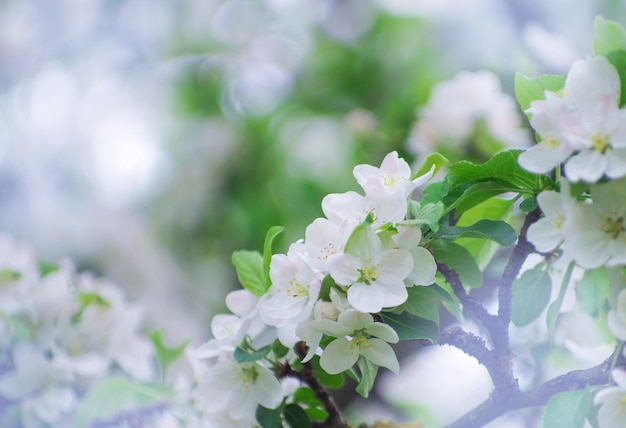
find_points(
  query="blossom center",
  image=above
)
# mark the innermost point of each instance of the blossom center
(358, 343)
(249, 375)
(390, 180)
(600, 142)
(613, 227)
(552, 142)
(296, 289)
(367, 275)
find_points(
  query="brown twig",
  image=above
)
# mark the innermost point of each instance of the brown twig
(307, 375)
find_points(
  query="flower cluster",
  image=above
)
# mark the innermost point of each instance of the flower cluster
(353, 263)
(60, 334)
(582, 125)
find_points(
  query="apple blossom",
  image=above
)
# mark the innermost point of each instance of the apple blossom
(547, 233)
(357, 335)
(295, 288)
(612, 402)
(236, 389)
(595, 232)
(374, 277)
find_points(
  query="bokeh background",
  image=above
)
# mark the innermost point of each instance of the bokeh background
(149, 139)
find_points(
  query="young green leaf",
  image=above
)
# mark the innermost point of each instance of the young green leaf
(250, 272)
(434, 159)
(618, 59)
(608, 36)
(531, 295)
(529, 89)
(502, 168)
(165, 355)
(425, 213)
(555, 307)
(243, 356)
(368, 371)
(272, 233)
(592, 290)
(567, 409)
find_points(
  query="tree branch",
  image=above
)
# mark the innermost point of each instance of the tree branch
(306, 375)
(498, 405)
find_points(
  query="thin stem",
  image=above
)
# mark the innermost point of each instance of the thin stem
(307, 375)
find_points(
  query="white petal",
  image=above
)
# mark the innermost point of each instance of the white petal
(366, 298)
(383, 332)
(381, 354)
(544, 156)
(424, 268)
(616, 167)
(339, 356)
(267, 389)
(588, 165)
(344, 269)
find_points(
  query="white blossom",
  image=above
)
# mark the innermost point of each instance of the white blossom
(612, 402)
(238, 388)
(374, 276)
(595, 232)
(357, 335)
(295, 288)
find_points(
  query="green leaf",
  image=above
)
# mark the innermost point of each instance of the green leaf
(113, 395)
(531, 294)
(492, 209)
(428, 214)
(529, 204)
(368, 371)
(46, 268)
(434, 159)
(311, 404)
(296, 417)
(422, 302)
(567, 409)
(166, 356)
(452, 303)
(555, 307)
(502, 168)
(358, 237)
(9, 275)
(332, 381)
(250, 271)
(89, 298)
(592, 290)
(433, 193)
(618, 59)
(474, 195)
(529, 89)
(497, 231)
(243, 356)
(272, 233)
(608, 36)
(278, 349)
(411, 327)
(269, 418)
(458, 258)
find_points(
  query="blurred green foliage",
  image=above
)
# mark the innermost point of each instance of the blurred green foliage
(385, 74)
